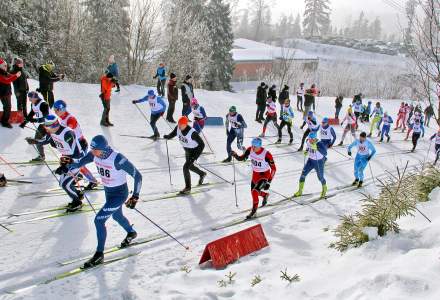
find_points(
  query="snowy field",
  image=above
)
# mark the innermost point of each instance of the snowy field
(404, 266)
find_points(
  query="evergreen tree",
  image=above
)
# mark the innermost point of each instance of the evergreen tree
(258, 20)
(243, 28)
(221, 39)
(296, 28)
(316, 17)
(376, 29)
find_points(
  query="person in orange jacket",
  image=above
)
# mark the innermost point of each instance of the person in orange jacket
(6, 91)
(107, 83)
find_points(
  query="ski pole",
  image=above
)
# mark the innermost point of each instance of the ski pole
(371, 171)
(3, 226)
(209, 146)
(30, 128)
(286, 197)
(339, 152)
(10, 166)
(168, 158)
(235, 183)
(216, 175)
(166, 232)
(142, 113)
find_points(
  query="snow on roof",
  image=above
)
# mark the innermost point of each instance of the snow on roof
(248, 50)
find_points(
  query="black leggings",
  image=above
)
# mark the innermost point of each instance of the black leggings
(415, 138)
(190, 158)
(305, 135)
(289, 129)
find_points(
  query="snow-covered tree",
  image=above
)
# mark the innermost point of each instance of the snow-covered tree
(220, 66)
(316, 17)
(375, 29)
(259, 10)
(295, 29)
(243, 25)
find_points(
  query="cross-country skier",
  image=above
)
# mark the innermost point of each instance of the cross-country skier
(236, 130)
(39, 110)
(401, 117)
(312, 126)
(112, 167)
(378, 114)
(193, 145)
(286, 117)
(67, 144)
(365, 151)
(417, 130)
(199, 115)
(300, 97)
(271, 115)
(417, 116)
(66, 119)
(350, 125)
(328, 134)
(158, 107)
(386, 126)
(358, 109)
(436, 138)
(263, 172)
(317, 152)
(366, 111)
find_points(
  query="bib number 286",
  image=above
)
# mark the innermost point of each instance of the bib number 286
(104, 172)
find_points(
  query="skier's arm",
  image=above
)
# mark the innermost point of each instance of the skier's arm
(201, 144)
(244, 156)
(203, 112)
(72, 123)
(390, 120)
(82, 162)
(291, 114)
(333, 133)
(433, 136)
(354, 144)
(372, 149)
(122, 163)
(271, 162)
(240, 120)
(322, 148)
(141, 100)
(172, 134)
(161, 102)
(8, 79)
(227, 124)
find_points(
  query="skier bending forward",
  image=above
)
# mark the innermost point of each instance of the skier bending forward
(263, 167)
(112, 167)
(365, 152)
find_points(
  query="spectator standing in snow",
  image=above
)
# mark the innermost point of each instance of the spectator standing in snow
(47, 77)
(6, 91)
(300, 97)
(173, 96)
(338, 105)
(309, 100)
(315, 92)
(114, 69)
(429, 112)
(261, 102)
(273, 93)
(187, 94)
(21, 86)
(107, 83)
(284, 95)
(161, 79)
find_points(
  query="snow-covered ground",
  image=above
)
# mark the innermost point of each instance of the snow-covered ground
(403, 266)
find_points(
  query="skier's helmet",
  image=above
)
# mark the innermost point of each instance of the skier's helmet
(60, 105)
(99, 142)
(313, 135)
(51, 121)
(325, 120)
(232, 109)
(257, 142)
(310, 113)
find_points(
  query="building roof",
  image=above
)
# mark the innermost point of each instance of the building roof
(248, 50)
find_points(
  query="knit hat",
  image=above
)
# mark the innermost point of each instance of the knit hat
(151, 93)
(188, 77)
(286, 87)
(262, 84)
(172, 75)
(33, 95)
(183, 120)
(18, 60)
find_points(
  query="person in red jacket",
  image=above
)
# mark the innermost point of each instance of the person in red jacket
(263, 167)
(107, 83)
(6, 91)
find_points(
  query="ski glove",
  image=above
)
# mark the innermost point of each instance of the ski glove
(31, 141)
(134, 101)
(266, 186)
(349, 153)
(131, 202)
(61, 170)
(368, 158)
(22, 125)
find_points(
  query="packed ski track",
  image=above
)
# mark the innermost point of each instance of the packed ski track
(403, 266)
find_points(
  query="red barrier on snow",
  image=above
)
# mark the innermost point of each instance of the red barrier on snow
(333, 121)
(15, 118)
(230, 248)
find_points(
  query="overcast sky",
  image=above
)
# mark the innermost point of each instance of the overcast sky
(343, 10)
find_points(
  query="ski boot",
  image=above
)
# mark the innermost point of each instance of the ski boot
(97, 259)
(91, 186)
(324, 191)
(185, 191)
(300, 149)
(388, 139)
(290, 141)
(341, 143)
(227, 160)
(74, 206)
(381, 140)
(369, 135)
(202, 178)
(300, 190)
(355, 182)
(38, 159)
(264, 200)
(379, 133)
(278, 141)
(262, 135)
(3, 181)
(127, 241)
(360, 184)
(252, 215)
